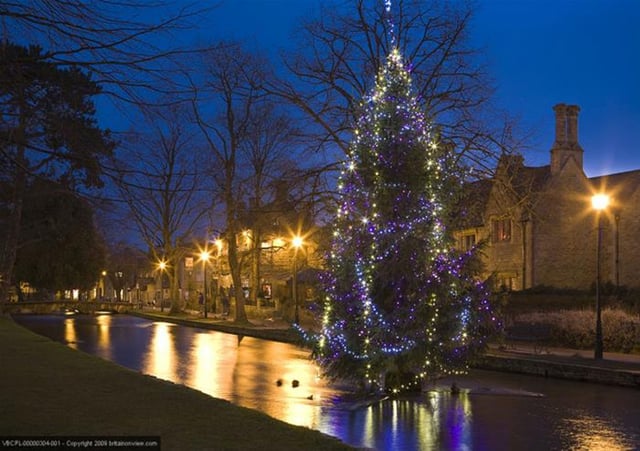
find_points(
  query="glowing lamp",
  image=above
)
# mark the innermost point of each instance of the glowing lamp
(600, 201)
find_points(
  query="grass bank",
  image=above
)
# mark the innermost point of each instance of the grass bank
(47, 389)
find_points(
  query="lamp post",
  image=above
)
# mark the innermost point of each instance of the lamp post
(218, 298)
(204, 258)
(297, 243)
(162, 266)
(599, 202)
(103, 285)
(119, 285)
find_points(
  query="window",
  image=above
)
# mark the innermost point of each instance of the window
(503, 283)
(501, 230)
(467, 242)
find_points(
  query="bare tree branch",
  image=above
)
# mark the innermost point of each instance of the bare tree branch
(341, 52)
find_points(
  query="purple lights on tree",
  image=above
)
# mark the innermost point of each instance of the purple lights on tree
(402, 306)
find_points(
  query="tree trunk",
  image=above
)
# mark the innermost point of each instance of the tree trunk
(174, 292)
(255, 267)
(235, 267)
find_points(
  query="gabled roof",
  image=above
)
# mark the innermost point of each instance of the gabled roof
(620, 186)
(472, 204)
(527, 180)
(519, 180)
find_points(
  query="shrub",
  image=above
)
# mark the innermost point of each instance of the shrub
(576, 328)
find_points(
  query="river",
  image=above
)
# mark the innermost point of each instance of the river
(493, 411)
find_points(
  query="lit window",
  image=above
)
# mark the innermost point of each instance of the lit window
(501, 230)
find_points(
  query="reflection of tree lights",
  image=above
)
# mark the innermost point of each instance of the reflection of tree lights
(437, 431)
(458, 426)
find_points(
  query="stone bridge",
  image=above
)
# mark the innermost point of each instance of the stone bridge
(48, 307)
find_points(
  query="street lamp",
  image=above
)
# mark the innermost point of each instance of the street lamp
(103, 285)
(599, 202)
(296, 242)
(204, 258)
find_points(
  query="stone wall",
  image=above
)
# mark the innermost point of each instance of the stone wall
(564, 241)
(560, 370)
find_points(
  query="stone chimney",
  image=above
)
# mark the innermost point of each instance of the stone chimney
(566, 146)
(572, 125)
(561, 125)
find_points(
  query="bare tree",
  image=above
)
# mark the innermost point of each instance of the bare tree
(278, 183)
(100, 38)
(129, 47)
(250, 142)
(159, 179)
(341, 52)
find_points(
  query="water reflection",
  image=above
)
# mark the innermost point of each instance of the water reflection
(433, 421)
(161, 358)
(587, 433)
(70, 336)
(272, 377)
(206, 355)
(492, 412)
(104, 335)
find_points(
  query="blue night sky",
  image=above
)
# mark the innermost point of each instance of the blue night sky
(583, 52)
(539, 52)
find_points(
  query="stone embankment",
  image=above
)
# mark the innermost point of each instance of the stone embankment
(613, 369)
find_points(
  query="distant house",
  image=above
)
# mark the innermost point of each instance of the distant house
(539, 225)
(271, 255)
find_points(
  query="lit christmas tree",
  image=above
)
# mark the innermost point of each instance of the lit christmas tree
(401, 305)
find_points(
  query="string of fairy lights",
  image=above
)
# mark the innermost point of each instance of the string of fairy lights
(391, 269)
(392, 83)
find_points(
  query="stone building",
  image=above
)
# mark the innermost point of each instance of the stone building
(538, 225)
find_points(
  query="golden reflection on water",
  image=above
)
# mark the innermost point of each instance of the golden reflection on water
(243, 370)
(161, 359)
(70, 335)
(104, 333)
(279, 380)
(299, 409)
(594, 434)
(246, 372)
(209, 357)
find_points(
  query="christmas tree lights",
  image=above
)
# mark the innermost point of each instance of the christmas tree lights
(401, 305)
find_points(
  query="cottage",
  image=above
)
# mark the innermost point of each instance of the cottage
(538, 223)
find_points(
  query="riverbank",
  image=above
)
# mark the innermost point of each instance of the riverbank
(49, 390)
(516, 357)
